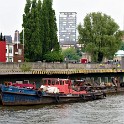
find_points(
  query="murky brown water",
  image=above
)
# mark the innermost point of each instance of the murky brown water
(105, 111)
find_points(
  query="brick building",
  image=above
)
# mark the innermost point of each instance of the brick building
(2, 51)
(18, 53)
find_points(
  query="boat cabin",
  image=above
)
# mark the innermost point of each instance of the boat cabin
(64, 85)
(21, 84)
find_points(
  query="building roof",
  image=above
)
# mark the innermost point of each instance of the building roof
(120, 53)
(8, 38)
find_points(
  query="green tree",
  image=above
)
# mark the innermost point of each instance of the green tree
(46, 28)
(54, 56)
(100, 35)
(40, 30)
(27, 31)
(122, 46)
(54, 44)
(71, 54)
(32, 30)
(36, 46)
(50, 41)
(41, 34)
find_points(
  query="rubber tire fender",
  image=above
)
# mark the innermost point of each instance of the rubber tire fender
(57, 98)
(104, 94)
(82, 96)
(93, 96)
(39, 93)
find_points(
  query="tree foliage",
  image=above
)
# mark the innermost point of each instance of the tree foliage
(54, 56)
(25, 67)
(122, 46)
(100, 35)
(40, 30)
(2, 38)
(71, 54)
(26, 25)
(50, 40)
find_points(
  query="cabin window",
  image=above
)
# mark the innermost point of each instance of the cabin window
(19, 82)
(98, 80)
(88, 80)
(26, 81)
(61, 83)
(53, 82)
(57, 82)
(68, 82)
(49, 82)
(106, 79)
(92, 80)
(44, 82)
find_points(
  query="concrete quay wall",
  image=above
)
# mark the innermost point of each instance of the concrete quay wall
(40, 65)
(57, 68)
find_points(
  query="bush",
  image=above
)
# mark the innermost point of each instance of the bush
(25, 67)
(54, 57)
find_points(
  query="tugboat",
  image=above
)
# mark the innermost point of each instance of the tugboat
(52, 90)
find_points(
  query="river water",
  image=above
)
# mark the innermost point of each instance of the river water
(105, 111)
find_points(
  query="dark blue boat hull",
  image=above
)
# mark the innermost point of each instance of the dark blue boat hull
(21, 99)
(22, 96)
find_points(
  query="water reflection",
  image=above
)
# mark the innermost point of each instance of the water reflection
(109, 111)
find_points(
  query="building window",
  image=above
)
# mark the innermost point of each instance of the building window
(19, 61)
(20, 51)
(10, 59)
(10, 50)
(26, 81)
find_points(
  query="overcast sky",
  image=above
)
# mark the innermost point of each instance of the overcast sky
(11, 11)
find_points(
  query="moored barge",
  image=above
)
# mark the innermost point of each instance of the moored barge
(53, 90)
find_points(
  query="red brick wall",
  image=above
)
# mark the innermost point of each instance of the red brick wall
(2, 51)
(18, 56)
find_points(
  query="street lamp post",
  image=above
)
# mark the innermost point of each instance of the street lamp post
(23, 38)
